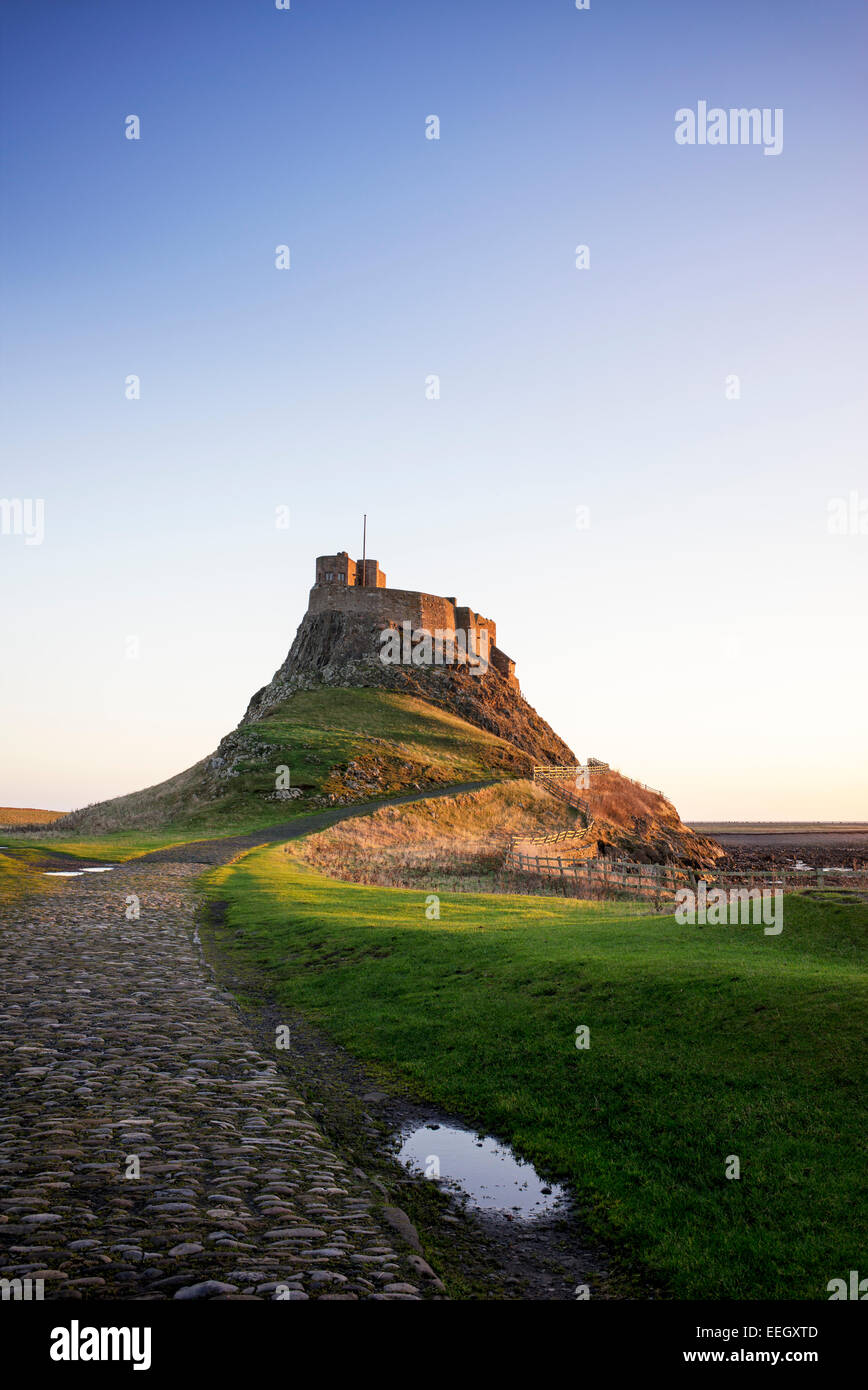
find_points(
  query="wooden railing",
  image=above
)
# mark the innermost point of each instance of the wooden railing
(665, 879)
(624, 874)
(552, 839)
(562, 772)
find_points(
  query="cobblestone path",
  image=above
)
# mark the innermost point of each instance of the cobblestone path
(119, 1055)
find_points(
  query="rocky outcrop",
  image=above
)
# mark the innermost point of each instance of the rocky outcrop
(342, 649)
(627, 820)
(659, 837)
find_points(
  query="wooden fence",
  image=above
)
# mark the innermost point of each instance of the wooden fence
(562, 772)
(790, 880)
(663, 880)
(554, 838)
(621, 875)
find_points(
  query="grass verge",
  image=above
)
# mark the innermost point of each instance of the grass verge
(704, 1043)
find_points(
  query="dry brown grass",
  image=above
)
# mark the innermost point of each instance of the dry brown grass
(622, 801)
(460, 842)
(449, 840)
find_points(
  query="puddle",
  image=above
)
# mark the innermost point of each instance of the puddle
(835, 869)
(75, 873)
(487, 1171)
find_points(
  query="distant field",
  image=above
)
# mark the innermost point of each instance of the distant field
(704, 1043)
(26, 815)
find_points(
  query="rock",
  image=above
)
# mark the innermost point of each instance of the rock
(423, 1268)
(296, 1233)
(208, 1289)
(400, 1222)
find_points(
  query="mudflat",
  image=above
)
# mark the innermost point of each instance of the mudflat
(785, 833)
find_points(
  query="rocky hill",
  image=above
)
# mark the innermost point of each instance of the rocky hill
(338, 725)
(341, 649)
(339, 746)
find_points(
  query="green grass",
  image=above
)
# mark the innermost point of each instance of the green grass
(705, 1042)
(116, 846)
(327, 727)
(315, 733)
(16, 875)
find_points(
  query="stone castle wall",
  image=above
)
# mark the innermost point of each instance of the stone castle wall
(390, 607)
(382, 608)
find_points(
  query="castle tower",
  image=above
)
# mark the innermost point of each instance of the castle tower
(374, 577)
(338, 588)
(335, 569)
(340, 569)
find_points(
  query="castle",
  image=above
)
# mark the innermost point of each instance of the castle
(358, 588)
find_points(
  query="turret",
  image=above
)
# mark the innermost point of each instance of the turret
(340, 569)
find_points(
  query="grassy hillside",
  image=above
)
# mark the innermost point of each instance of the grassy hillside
(339, 745)
(705, 1042)
(463, 834)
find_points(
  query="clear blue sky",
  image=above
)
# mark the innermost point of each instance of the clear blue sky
(706, 633)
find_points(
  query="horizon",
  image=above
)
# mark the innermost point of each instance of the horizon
(677, 570)
(697, 818)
